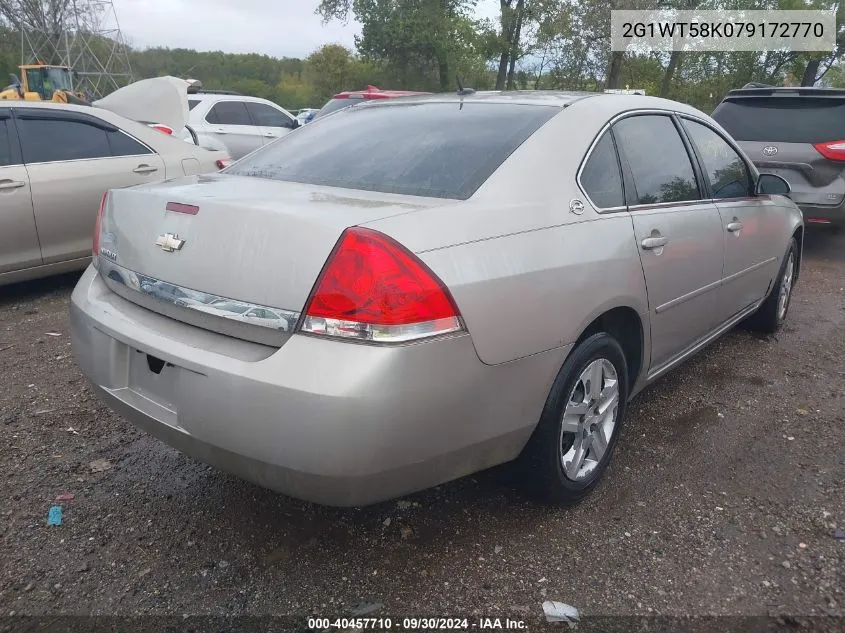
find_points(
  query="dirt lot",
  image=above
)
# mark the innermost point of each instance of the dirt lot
(724, 496)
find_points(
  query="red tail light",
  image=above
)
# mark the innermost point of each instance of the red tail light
(95, 245)
(834, 150)
(223, 163)
(374, 289)
(165, 129)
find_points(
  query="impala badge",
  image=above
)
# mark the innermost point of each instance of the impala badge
(169, 242)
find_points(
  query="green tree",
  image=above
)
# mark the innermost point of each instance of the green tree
(418, 42)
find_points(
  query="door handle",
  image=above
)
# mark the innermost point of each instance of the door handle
(220, 132)
(270, 135)
(145, 169)
(651, 243)
(734, 227)
(11, 184)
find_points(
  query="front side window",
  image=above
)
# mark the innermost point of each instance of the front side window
(601, 178)
(725, 168)
(51, 140)
(268, 116)
(444, 150)
(657, 159)
(229, 113)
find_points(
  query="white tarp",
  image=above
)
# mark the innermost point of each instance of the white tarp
(159, 100)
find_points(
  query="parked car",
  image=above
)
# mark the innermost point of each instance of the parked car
(796, 133)
(56, 161)
(235, 123)
(345, 99)
(457, 291)
(305, 115)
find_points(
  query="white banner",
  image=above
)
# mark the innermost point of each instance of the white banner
(663, 30)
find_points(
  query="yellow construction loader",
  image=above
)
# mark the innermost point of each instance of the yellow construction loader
(42, 82)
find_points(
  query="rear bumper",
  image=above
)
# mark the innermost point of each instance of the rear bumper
(334, 423)
(827, 215)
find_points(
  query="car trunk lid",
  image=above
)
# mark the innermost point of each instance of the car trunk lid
(248, 250)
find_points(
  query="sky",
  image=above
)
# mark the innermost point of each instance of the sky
(279, 28)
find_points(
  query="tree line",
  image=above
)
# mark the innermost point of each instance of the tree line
(429, 44)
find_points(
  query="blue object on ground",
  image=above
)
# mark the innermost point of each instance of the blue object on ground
(54, 517)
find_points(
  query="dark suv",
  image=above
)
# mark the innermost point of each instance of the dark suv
(796, 133)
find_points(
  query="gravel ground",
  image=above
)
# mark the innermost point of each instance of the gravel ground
(724, 496)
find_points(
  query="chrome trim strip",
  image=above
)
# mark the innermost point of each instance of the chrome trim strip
(657, 206)
(204, 303)
(703, 342)
(750, 269)
(690, 295)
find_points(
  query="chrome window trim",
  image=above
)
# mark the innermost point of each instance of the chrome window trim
(616, 118)
(143, 285)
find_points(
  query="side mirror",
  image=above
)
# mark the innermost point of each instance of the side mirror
(771, 184)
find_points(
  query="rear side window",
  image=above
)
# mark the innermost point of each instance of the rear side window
(443, 150)
(229, 113)
(5, 145)
(49, 140)
(267, 116)
(123, 145)
(783, 119)
(725, 168)
(657, 158)
(192, 103)
(601, 178)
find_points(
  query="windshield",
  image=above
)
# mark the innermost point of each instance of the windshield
(783, 120)
(45, 81)
(60, 78)
(419, 148)
(336, 104)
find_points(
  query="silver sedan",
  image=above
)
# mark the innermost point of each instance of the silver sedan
(439, 285)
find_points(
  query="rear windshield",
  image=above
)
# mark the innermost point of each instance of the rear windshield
(441, 150)
(783, 119)
(336, 104)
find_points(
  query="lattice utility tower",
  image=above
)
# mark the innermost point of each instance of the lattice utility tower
(84, 35)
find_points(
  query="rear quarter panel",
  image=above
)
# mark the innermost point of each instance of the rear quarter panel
(527, 274)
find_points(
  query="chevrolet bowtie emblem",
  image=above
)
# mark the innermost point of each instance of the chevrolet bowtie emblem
(169, 242)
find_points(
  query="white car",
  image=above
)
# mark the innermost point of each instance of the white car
(235, 123)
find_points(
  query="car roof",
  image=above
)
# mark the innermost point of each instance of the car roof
(64, 107)
(555, 98)
(372, 92)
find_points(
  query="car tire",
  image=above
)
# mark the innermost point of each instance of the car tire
(551, 458)
(770, 316)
